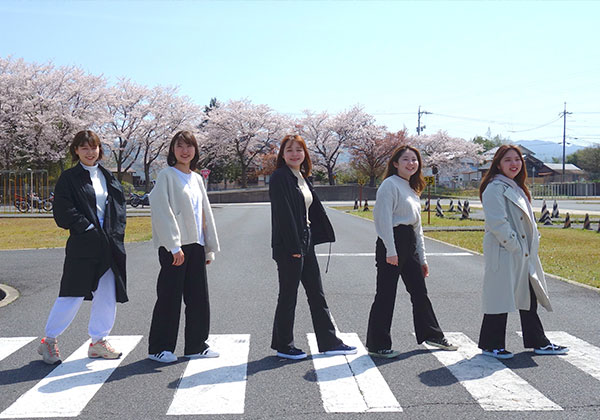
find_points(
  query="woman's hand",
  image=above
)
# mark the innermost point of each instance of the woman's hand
(297, 255)
(178, 258)
(392, 260)
(425, 269)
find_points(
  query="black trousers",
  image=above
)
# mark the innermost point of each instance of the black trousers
(291, 272)
(493, 328)
(174, 282)
(382, 309)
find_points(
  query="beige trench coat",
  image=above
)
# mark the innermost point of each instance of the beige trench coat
(510, 249)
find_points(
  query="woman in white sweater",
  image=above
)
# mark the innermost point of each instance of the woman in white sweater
(400, 251)
(183, 230)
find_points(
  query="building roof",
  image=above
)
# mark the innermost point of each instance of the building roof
(558, 167)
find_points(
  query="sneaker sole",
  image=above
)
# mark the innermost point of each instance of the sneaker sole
(292, 357)
(340, 352)
(384, 356)
(439, 346)
(551, 352)
(99, 356)
(201, 356)
(498, 356)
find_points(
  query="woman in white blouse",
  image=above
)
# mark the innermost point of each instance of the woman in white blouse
(183, 230)
(400, 251)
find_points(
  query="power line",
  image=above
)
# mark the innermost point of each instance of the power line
(535, 128)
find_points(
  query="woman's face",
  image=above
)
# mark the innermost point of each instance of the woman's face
(184, 153)
(293, 154)
(88, 155)
(510, 164)
(407, 164)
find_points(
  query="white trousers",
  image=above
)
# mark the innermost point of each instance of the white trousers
(102, 315)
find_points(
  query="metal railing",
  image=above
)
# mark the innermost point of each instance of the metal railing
(565, 189)
(25, 191)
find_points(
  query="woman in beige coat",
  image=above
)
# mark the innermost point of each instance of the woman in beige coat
(513, 279)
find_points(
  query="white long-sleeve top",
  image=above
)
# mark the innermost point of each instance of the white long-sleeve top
(100, 189)
(398, 204)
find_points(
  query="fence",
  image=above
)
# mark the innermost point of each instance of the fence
(25, 191)
(566, 189)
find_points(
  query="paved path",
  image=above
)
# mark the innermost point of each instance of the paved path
(248, 382)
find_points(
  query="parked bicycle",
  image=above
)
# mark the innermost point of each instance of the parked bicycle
(23, 204)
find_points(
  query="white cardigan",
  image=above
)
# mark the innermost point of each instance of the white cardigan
(173, 219)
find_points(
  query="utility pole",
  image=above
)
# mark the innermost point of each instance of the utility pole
(564, 115)
(419, 128)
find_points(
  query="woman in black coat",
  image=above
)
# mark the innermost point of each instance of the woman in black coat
(299, 222)
(89, 202)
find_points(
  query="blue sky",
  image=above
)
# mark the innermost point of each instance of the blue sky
(508, 66)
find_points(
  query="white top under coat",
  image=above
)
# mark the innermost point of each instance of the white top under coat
(308, 198)
(101, 190)
(190, 184)
(398, 204)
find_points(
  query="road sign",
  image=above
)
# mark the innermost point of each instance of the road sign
(430, 180)
(205, 173)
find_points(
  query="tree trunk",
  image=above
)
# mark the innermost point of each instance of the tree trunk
(244, 176)
(372, 180)
(147, 176)
(330, 176)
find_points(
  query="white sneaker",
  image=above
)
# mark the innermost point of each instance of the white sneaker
(207, 353)
(163, 357)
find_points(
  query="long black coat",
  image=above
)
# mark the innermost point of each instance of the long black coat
(288, 215)
(90, 253)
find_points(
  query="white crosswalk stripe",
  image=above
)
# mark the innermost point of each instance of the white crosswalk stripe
(493, 385)
(351, 384)
(71, 385)
(9, 345)
(582, 354)
(347, 384)
(217, 385)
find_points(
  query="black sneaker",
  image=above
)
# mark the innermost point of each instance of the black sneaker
(441, 343)
(498, 353)
(341, 349)
(551, 349)
(291, 353)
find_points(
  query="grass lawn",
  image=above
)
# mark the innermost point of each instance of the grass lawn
(570, 253)
(452, 219)
(21, 233)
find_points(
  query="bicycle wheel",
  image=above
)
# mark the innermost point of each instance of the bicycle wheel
(22, 206)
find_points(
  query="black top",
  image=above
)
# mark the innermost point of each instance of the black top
(288, 215)
(89, 253)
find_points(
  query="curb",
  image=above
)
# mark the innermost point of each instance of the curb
(9, 295)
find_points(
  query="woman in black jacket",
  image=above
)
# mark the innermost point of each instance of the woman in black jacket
(299, 222)
(89, 202)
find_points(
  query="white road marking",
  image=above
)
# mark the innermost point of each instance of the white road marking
(9, 345)
(372, 254)
(582, 354)
(215, 385)
(493, 385)
(351, 384)
(71, 385)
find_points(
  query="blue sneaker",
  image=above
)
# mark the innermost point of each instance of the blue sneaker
(551, 349)
(341, 349)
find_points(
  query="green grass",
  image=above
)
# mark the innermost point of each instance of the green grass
(452, 219)
(22, 233)
(568, 253)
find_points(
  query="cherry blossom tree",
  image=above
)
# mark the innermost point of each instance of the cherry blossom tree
(371, 154)
(244, 131)
(327, 137)
(447, 153)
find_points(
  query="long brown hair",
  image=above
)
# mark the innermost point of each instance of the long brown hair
(416, 181)
(188, 138)
(520, 178)
(306, 165)
(85, 137)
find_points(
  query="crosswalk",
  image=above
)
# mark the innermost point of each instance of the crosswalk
(347, 384)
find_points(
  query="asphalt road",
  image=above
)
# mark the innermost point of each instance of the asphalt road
(243, 289)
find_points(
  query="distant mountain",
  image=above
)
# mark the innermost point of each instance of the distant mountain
(546, 150)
